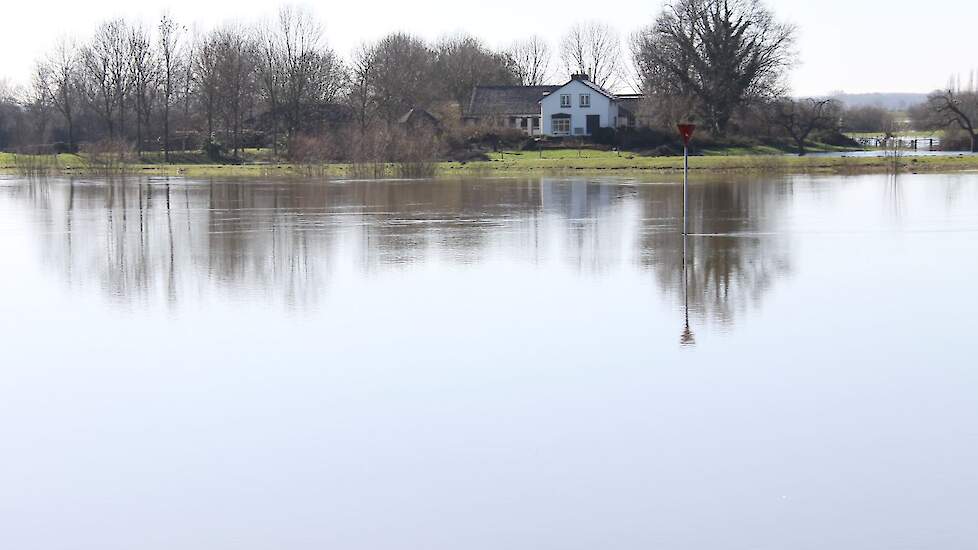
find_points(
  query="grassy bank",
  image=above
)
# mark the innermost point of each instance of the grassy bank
(516, 163)
(523, 162)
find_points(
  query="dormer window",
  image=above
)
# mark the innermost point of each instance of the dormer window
(565, 101)
(585, 100)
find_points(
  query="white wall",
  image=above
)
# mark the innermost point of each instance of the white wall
(600, 105)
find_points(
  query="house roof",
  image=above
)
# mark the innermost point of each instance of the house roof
(630, 104)
(587, 82)
(507, 100)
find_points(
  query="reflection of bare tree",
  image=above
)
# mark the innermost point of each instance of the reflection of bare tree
(140, 239)
(587, 210)
(894, 195)
(177, 241)
(731, 260)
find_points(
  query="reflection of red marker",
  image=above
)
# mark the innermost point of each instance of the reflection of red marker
(686, 131)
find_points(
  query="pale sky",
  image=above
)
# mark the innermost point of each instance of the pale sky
(851, 45)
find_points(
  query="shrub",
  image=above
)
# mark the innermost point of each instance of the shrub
(834, 138)
(109, 156)
(645, 138)
(214, 150)
(605, 136)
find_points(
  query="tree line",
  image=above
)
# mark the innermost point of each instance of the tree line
(165, 88)
(278, 84)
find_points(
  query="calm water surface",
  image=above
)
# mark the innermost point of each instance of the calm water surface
(489, 364)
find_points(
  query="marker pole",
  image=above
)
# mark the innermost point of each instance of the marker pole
(685, 187)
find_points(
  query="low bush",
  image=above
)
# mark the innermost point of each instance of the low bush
(834, 138)
(644, 138)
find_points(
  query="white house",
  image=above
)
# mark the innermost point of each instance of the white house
(576, 108)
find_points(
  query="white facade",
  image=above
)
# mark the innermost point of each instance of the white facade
(568, 110)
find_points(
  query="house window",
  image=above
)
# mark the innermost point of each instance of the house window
(560, 125)
(565, 101)
(585, 100)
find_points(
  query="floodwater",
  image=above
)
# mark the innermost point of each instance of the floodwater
(882, 153)
(489, 364)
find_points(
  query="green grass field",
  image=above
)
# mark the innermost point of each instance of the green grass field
(521, 162)
(598, 161)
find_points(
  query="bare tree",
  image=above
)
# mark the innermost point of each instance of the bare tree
(362, 69)
(720, 52)
(799, 118)
(206, 78)
(296, 68)
(463, 62)
(108, 75)
(402, 75)
(960, 109)
(144, 74)
(531, 60)
(270, 74)
(234, 53)
(168, 53)
(593, 49)
(57, 79)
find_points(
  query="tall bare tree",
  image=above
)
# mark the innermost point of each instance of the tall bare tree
(296, 68)
(168, 53)
(108, 74)
(531, 60)
(403, 66)
(594, 49)
(234, 52)
(362, 67)
(463, 62)
(57, 79)
(206, 78)
(143, 68)
(722, 53)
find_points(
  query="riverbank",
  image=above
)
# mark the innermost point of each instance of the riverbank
(510, 163)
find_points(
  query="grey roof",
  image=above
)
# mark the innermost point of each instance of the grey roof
(507, 100)
(415, 115)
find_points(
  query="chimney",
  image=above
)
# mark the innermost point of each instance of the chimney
(580, 76)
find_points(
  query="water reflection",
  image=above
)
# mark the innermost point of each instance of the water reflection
(172, 240)
(488, 364)
(734, 254)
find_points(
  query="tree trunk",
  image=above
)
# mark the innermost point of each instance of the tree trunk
(139, 129)
(71, 134)
(166, 131)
